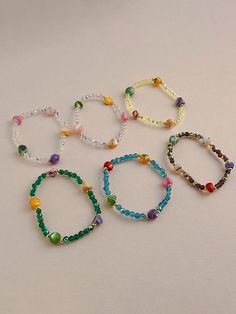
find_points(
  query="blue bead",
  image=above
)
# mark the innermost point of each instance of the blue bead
(126, 212)
(137, 215)
(118, 207)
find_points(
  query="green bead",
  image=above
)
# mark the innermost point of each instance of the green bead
(81, 234)
(43, 175)
(130, 91)
(22, 149)
(61, 172)
(74, 175)
(76, 236)
(34, 186)
(86, 231)
(38, 182)
(98, 210)
(41, 225)
(55, 237)
(71, 239)
(79, 104)
(40, 219)
(32, 193)
(45, 232)
(66, 239)
(173, 139)
(38, 211)
(79, 180)
(111, 199)
(69, 174)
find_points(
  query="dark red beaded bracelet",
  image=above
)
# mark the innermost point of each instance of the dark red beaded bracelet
(208, 187)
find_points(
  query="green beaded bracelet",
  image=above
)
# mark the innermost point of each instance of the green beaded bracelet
(34, 202)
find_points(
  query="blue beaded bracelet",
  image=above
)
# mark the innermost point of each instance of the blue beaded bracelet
(112, 199)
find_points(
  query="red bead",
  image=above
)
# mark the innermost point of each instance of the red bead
(210, 187)
(108, 165)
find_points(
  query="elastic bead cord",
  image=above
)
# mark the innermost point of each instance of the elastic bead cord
(23, 150)
(208, 187)
(158, 82)
(112, 199)
(77, 128)
(34, 202)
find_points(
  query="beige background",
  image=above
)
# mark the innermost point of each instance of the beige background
(53, 52)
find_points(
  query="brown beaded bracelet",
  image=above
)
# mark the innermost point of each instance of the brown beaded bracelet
(208, 187)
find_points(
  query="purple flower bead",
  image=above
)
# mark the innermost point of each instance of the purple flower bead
(54, 159)
(152, 214)
(229, 165)
(97, 220)
(179, 102)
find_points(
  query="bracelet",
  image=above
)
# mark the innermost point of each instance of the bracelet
(34, 202)
(209, 187)
(112, 199)
(78, 129)
(23, 150)
(157, 82)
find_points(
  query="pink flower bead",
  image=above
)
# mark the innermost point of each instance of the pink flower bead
(167, 182)
(52, 173)
(17, 119)
(78, 129)
(124, 117)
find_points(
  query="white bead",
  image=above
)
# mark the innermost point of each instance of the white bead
(205, 141)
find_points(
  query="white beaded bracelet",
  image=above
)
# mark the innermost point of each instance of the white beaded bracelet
(78, 129)
(23, 150)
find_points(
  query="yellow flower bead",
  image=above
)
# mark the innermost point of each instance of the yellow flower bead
(107, 100)
(34, 202)
(112, 143)
(66, 132)
(86, 187)
(144, 159)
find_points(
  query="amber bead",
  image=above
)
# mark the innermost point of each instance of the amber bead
(112, 143)
(169, 123)
(135, 114)
(86, 187)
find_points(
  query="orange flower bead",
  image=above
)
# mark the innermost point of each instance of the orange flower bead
(157, 81)
(107, 100)
(34, 202)
(144, 159)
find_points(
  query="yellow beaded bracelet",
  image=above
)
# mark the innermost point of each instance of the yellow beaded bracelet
(157, 82)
